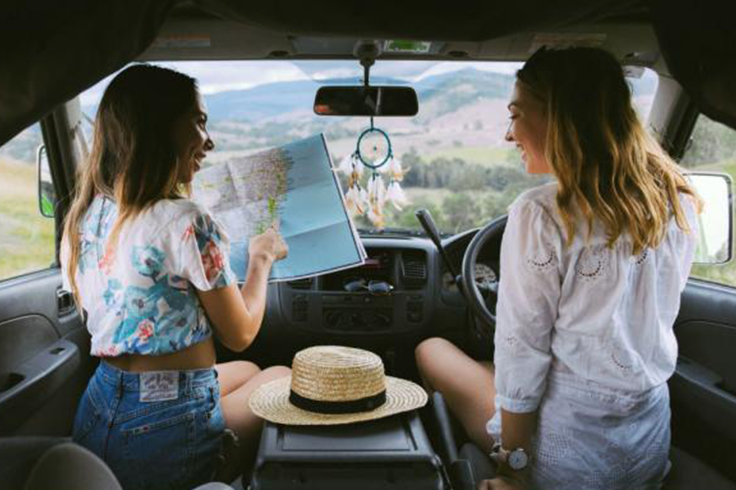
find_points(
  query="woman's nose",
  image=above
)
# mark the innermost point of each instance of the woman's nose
(209, 145)
(509, 136)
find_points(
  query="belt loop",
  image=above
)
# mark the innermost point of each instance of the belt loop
(188, 381)
(120, 383)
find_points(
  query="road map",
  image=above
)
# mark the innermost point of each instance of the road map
(295, 184)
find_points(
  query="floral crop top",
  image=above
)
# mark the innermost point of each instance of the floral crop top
(141, 297)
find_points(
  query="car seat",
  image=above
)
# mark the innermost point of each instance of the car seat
(40, 463)
(470, 465)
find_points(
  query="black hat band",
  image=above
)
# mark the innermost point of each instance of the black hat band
(338, 407)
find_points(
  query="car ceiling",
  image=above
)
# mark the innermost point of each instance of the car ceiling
(52, 51)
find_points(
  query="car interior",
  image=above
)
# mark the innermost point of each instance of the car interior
(442, 273)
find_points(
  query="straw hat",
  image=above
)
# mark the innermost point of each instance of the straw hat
(332, 385)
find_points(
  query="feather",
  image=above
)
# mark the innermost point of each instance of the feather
(355, 200)
(396, 195)
(346, 164)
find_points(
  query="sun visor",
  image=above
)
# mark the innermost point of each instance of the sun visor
(52, 51)
(698, 42)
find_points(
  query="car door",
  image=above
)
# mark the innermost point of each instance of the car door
(703, 389)
(44, 360)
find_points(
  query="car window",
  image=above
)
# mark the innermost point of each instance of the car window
(26, 237)
(456, 160)
(713, 149)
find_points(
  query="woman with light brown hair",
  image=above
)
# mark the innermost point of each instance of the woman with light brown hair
(149, 271)
(592, 270)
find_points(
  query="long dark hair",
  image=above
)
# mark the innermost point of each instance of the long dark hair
(607, 165)
(133, 159)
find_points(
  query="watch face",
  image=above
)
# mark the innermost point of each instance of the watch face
(518, 459)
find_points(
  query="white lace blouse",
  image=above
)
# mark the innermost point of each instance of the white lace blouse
(597, 313)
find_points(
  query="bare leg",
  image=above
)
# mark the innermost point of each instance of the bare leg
(232, 375)
(467, 385)
(237, 381)
(238, 416)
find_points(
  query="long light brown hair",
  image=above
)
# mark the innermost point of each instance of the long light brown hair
(607, 165)
(133, 159)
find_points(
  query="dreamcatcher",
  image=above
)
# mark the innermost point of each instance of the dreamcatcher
(374, 154)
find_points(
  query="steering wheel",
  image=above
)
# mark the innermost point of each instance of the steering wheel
(480, 301)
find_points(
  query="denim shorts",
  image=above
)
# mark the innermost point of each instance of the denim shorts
(595, 437)
(153, 439)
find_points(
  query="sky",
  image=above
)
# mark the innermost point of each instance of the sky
(218, 76)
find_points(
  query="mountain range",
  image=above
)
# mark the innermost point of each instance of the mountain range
(275, 99)
(463, 108)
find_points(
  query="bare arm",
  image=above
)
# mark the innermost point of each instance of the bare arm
(516, 432)
(517, 429)
(237, 314)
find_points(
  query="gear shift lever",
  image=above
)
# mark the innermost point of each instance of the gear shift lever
(425, 218)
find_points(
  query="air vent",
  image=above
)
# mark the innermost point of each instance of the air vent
(301, 283)
(414, 270)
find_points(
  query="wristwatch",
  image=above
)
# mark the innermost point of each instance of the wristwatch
(517, 459)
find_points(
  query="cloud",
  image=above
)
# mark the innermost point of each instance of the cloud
(450, 66)
(219, 76)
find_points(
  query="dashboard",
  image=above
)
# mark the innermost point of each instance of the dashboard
(404, 288)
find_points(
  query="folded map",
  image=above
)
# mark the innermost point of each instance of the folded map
(295, 184)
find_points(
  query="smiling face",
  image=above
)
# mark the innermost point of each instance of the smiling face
(528, 129)
(191, 140)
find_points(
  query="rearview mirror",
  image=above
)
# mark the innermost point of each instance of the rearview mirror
(366, 101)
(715, 240)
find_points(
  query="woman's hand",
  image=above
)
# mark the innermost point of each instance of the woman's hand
(502, 483)
(269, 244)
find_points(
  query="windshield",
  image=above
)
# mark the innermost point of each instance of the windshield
(456, 162)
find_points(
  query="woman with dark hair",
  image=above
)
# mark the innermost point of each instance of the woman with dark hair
(149, 270)
(592, 270)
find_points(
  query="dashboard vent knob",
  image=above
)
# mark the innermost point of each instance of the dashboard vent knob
(414, 272)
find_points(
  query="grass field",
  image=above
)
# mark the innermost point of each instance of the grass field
(433, 196)
(26, 237)
(482, 155)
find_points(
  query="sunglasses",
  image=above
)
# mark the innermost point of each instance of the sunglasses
(373, 287)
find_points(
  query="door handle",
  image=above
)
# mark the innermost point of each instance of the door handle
(64, 302)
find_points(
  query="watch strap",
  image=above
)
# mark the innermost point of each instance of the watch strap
(501, 455)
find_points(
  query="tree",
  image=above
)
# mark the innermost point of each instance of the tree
(461, 212)
(406, 217)
(469, 177)
(711, 142)
(495, 204)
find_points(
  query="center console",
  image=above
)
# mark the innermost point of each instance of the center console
(391, 292)
(388, 453)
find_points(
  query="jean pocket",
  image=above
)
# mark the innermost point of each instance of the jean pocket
(159, 450)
